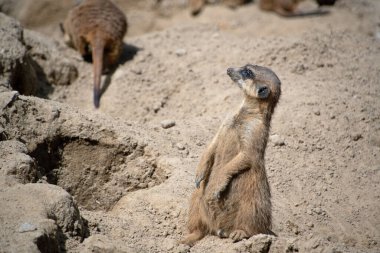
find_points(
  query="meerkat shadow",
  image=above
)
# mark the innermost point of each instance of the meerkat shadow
(301, 14)
(128, 53)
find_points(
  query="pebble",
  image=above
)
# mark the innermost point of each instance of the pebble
(182, 248)
(180, 146)
(199, 143)
(277, 140)
(26, 227)
(318, 210)
(356, 137)
(170, 246)
(317, 112)
(157, 107)
(315, 245)
(165, 124)
(180, 52)
(137, 71)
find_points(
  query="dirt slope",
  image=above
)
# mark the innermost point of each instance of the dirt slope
(323, 159)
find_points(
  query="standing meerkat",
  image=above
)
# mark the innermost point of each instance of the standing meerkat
(96, 28)
(233, 197)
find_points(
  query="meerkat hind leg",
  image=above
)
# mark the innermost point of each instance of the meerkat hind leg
(193, 237)
(196, 6)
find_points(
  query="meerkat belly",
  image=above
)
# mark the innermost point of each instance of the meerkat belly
(238, 205)
(227, 150)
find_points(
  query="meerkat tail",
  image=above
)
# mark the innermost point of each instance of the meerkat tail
(97, 60)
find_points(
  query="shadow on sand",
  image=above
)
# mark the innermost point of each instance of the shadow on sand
(129, 52)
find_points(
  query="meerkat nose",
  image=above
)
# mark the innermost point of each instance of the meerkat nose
(230, 71)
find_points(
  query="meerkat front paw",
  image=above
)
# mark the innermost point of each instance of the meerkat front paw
(199, 179)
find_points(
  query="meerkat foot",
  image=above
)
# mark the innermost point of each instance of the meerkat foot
(192, 238)
(238, 235)
(196, 6)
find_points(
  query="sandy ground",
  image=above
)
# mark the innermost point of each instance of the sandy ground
(323, 158)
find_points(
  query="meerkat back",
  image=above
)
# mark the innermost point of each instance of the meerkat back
(95, 16)
(96, 28)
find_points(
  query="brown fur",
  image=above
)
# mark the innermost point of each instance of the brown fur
(196, 6)
(97, 28)
(281, 7)
(288, 8)
(232, 198)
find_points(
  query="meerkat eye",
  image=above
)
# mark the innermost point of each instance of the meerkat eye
(263, 92)
(107, 50)
(247, 74)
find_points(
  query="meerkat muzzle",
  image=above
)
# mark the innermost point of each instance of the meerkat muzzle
(234, 73)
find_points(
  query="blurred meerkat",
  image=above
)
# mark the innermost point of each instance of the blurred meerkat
(196, 6)
(281, 7)
(233, 197)
(288, 8)
(96, 28)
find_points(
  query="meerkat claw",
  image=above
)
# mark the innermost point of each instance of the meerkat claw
(198, 181)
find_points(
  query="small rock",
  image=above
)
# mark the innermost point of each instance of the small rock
(318, 210)
(26, 227)
(247, 243)
(165, 124)
(142, 185)
(181, 52)
(137, 71)
(260, 243)
(317, 112)
(175, 214)
(199, 143)
(157, 107)
(300, 68)
(315, 245)
(182, 248)
(180, 146)
(277, 140)
(356, 137)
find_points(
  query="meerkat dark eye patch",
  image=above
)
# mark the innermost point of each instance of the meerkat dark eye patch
(247, 74)
(263, 92)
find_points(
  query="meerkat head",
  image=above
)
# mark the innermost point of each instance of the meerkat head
(257, 82)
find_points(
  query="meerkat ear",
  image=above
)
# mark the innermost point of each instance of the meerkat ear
(262, 91)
